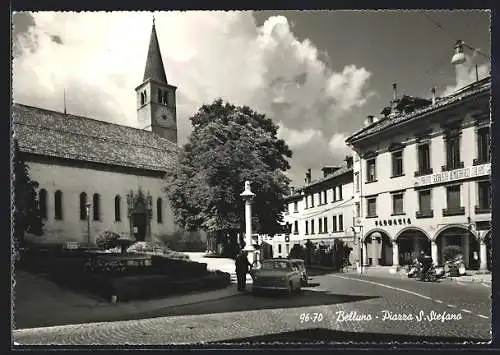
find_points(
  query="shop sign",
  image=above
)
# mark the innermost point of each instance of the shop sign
(454, 175)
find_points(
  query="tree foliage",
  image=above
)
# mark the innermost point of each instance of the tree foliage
(27, 217)
(229, 145)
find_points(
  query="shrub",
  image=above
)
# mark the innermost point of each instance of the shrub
(107, 240)
(297, 252)
(451, 251)
(158, 248)
(105, 265)
(148, 247)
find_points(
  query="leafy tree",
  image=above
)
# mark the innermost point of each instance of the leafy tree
(229, 145)
(27, 217)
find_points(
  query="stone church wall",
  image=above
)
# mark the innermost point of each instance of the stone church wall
(72, 181)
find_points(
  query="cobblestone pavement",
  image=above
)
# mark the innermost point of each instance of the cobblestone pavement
(334, 304)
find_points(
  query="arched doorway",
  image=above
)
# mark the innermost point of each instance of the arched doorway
(458, 239)
(139, 212)
(378, 249)
(411, 242)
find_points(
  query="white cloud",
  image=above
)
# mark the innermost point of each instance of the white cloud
(295, 138)
(207, 55)
(337, 144)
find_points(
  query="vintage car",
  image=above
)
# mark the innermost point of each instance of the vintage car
(299, 263)
(277, 275)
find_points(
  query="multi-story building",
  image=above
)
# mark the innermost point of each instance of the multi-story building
(320, 211)
(422, 178)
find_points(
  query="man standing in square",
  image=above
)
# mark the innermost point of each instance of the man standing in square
(242, 268)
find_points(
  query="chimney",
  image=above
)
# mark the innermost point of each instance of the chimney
(394, 92)
(328, 170)
(386, 111)
(292, 190)
(433, 95)
(308, 176)
(370, 119)
(348, 160)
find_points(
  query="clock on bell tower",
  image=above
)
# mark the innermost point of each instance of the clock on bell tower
(156, 104)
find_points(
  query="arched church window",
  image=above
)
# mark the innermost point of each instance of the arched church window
(160, 96)
(96, 207)
(42, 200)
(58, 213)
(142, 98)
(83, 206)
(117, 208)
(145, 96)
(159, 210)
(171, 99)
(165, 97)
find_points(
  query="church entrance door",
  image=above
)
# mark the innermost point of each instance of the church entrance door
(139, 225)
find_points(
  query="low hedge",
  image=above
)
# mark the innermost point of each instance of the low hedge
(157, 286)
(137, 286)
(77, 270)
(84, 281)
(182, 268)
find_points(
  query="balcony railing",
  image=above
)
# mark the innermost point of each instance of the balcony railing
(423, 172)
(456, 211)
(451, 167)
(425, 214)
(480, 161)
(482, 210)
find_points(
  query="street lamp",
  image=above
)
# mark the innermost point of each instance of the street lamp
(247, 195)
(459, 56)
(87, 207)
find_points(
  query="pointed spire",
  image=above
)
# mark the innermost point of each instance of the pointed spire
(154, 63)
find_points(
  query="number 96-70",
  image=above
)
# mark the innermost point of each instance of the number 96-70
(310, 317)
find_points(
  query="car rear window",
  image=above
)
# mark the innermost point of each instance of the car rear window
(275, 265)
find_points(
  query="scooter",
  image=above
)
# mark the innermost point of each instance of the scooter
(413, 269)
(428, 274)
(455, 267)
(440, 273)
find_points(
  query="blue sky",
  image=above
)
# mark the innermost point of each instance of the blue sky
(317, 74)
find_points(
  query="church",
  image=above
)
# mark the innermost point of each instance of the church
(96, 176)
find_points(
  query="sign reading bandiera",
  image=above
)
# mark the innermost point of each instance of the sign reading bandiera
(454, 175)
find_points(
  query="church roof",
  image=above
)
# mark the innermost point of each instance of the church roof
(55, 134)
(154, 63)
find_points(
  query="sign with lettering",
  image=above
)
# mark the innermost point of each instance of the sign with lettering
(71, 245)
(454, 175)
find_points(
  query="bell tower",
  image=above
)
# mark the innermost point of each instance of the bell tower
(156, 103)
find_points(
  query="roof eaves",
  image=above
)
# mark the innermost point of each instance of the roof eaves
(462, 94)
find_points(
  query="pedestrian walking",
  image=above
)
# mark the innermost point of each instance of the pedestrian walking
(242, 269)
